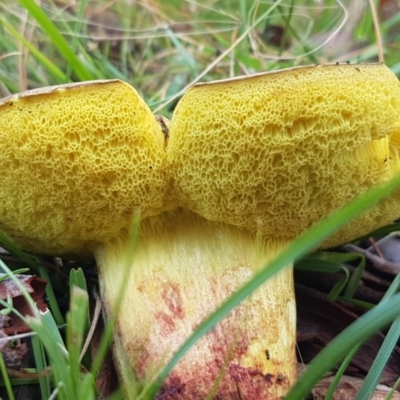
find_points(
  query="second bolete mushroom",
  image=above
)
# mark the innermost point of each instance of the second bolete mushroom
(250, 164)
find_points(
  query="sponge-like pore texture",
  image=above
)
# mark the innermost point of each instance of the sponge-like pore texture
(77, 162)
(276, 152)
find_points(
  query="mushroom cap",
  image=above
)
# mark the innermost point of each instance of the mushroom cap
(77, 162)
(276, 152)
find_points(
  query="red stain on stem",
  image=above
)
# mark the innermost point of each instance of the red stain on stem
(172, 298)
(166, 323)
(238, 383)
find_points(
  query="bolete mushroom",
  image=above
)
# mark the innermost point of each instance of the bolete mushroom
(250, 164)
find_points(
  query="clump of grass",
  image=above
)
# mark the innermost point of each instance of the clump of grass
(161, 48)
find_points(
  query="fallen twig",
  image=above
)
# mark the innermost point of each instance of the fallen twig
(377, 262)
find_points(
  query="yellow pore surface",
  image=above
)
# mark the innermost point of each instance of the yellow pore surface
(276, 152)
(272, 153)
(77, 161)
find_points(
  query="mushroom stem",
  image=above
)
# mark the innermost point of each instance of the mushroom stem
(184, 267)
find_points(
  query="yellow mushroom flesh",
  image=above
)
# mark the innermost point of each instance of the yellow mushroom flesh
(78, 162)
(250, 164)
(274, 153)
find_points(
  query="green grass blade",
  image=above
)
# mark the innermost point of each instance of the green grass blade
(76, 328)
(51, 297)
(77, 278)
(16, 251)
(87, 388)
(393, 288)
(380, 362)
(46, 329)
(58, 40)
(394, 388)
(340, 258)
(131, 387)
(76, 31)
(41, 365)
(355, 278)
(6, 378)
(359, 303)
(117, 395)
(339, 286)
(315, 262)
(384, 352)
(51, 67)
(339, 373)
(15, 272)
(338, 348)
(77, 47)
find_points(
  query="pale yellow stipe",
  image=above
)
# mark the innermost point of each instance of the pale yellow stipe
(184, 267)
